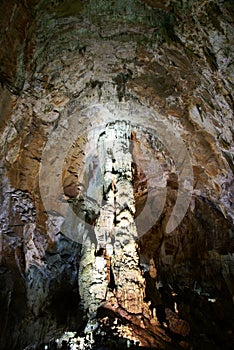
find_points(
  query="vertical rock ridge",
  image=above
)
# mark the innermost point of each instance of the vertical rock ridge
(110, 273)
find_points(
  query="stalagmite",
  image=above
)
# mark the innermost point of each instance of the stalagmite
(115, 253)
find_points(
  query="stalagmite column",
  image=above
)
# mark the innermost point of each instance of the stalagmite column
(116, 252)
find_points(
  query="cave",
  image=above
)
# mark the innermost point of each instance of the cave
(116, 168)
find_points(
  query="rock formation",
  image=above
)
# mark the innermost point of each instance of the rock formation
(116, 134)
(109, 270)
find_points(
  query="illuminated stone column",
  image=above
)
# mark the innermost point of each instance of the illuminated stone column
(112, 267)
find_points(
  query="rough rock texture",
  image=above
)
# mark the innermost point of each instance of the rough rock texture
(69, 69)
(109, 273)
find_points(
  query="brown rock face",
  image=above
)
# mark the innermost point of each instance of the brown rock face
(176, 325)
(116, 168)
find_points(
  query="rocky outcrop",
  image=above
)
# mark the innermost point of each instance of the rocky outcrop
(160, 204)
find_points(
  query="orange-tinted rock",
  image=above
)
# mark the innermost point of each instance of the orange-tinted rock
(176, 325)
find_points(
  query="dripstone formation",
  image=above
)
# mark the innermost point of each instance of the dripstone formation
(116, 174)
(109, 268)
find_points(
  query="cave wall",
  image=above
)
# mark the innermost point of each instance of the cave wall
(67, 65)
